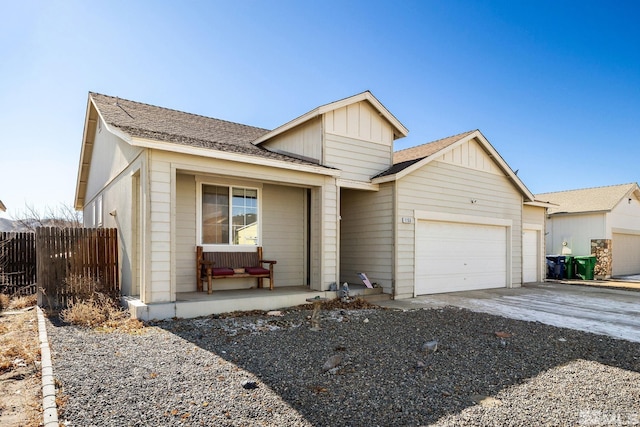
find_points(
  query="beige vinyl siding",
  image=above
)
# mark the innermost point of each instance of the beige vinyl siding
(304, 140)
(329, 231)
(358, 160)
(576, 230)
(366, 236)
(283, 232)
(117, 199)
(160, 229)
(533, 221)
(533, 215)
(316, 244)
(448, 188)
(185, 233)
(111, 155)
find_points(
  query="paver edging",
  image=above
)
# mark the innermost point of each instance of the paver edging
(49, 408)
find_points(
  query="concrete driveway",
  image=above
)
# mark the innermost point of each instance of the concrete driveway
(600, 310)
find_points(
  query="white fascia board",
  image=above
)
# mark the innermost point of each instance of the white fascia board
(234, 157)
(368, 96)
(540, 204)
(606, 211)
(357, 185)
(383, 179)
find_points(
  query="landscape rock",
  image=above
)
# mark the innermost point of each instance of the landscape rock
(430, 346)
(249, 385)
(332, 362)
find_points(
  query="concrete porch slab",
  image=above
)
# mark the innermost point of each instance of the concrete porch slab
(196, 304)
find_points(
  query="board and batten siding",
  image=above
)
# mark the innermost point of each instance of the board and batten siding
(366, 236)
(111, 155)
(357, 141)
(446, 187)
(304, 140)
(283, 233)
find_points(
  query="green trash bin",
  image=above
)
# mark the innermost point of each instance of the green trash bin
(585, 266)
(569, 267)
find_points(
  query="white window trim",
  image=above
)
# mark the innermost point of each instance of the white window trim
(230, 184)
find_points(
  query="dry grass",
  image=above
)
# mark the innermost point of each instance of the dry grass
(4, 302)
(16, 343)
(18, 303)
(94, 309)
(20, 383)
(101, 312)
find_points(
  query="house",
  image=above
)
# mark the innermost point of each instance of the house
(604, 221)
(324, 195)
(3, 208)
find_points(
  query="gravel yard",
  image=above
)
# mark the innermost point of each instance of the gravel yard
(268, 371)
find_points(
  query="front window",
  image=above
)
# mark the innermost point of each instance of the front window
(229, 215)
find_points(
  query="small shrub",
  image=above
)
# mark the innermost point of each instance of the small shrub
(24, 301)
(92, 311)
(100, 311)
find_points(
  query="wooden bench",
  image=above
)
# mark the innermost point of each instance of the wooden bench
(231, 265)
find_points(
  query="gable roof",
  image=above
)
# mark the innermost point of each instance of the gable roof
(149, 126)
(138, 120)
(399, 129)
(596, 199)
(410, 159)
(3, 208)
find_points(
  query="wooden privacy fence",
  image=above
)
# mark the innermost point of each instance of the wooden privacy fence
(17, 263)
(72, 263)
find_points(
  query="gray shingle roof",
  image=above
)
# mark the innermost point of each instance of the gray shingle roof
(597, 199)
(162, 124)
(402, 159)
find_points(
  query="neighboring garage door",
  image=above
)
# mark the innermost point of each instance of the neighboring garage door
(458, 257)
(529, 256)
(626, 254)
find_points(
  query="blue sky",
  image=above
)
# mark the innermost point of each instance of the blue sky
(553, 85)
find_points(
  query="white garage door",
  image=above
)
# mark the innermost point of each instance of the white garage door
(458, 257)
(529, 256)
(626, 254)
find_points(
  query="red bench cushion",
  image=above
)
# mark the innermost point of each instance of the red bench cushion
(256, 270)
(222, 271)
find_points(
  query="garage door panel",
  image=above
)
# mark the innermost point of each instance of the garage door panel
(626, 254)
(456, 256)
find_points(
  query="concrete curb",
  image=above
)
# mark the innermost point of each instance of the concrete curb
(50, 410)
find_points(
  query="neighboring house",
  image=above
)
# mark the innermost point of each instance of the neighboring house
(610, 214)
(324, 195)
(3, 208)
